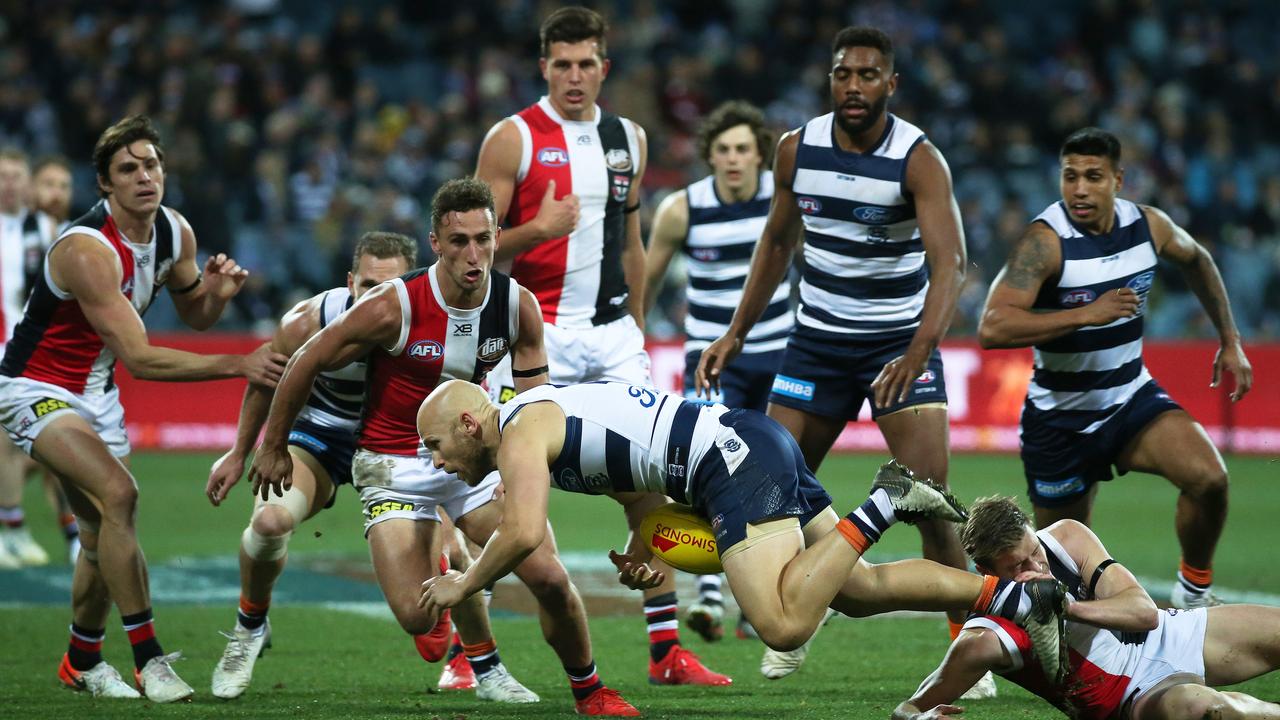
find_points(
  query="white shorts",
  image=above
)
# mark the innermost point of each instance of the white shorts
(1175, 647)
(28, 406)
(613, 351)
(399, 486)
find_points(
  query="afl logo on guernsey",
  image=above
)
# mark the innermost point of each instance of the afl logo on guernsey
(426, 350)
(491, 350)
(926, 377)
(553, 157)
(618, 159)
(1076, 298)
(808, 205)
(1142, 282)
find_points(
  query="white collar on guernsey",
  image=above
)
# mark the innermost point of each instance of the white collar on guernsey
(550, 110)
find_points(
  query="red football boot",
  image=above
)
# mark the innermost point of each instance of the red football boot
(681, 667)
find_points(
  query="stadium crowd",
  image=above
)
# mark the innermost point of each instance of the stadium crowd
(292, 127)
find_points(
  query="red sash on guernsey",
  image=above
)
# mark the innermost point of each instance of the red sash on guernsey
(437, 343)
(577, 278)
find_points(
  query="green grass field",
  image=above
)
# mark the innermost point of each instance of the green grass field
(331, 663)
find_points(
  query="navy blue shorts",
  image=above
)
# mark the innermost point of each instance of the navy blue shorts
(1061, 464)
(744, 384)
(771, 481)
(830, 376)
(331, 447)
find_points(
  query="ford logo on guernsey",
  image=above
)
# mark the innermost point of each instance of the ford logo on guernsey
(553, 157)
(875, 215)
(809, 205)
(1076, 298)
(1142, 282)
(426, 350)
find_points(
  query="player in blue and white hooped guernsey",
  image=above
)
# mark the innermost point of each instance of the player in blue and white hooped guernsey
(786, 553)
(715, 223)
(321, 442)
(884, 264)
(1075, 289)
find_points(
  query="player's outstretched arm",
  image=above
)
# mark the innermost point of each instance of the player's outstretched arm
(633, 260)
(1119, 601)
(670, 226)
(296, 327)
(90, 271)
(770, 262)
(375, 320)
(972, 654)
(1197, 265)
(1008, 320)
(200, 297)
(633, 564)
(499, 166)
(929, 181)
(529, 367)
(530, 442)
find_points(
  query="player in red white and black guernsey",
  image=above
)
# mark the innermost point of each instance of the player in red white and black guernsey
(1126, 658)
(566, 180)
(58, 398)
(455, 319)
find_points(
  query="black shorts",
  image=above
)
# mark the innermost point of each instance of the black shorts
(1061, 464)
(826, 376)
(771, 481)
(331, 447)
(744, 384)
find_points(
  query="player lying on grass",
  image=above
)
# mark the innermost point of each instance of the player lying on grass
(1127, 659)
(737, 468)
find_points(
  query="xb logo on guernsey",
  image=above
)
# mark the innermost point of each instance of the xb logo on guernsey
(809, 205)
(553, 157)
(426, 351)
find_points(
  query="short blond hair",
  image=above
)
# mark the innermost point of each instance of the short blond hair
(996, 524)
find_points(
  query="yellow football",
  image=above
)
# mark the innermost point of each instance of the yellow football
(682, 538)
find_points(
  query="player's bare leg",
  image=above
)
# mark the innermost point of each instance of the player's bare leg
(1190, 700)
(457, 673)
(815, 434)
(17, 547)
(1079, 509)
(1200, 475)
(560, 610)
(65, 515)
(264, 548)
(1241, 642)
(71, 449)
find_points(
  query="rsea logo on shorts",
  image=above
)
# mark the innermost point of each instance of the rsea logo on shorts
(387, 506)
(791, 387)
(48, 405)
(1059, 488)
(426, 350)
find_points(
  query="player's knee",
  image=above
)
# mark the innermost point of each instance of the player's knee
(120, 501)
(781, 635)
(262, 547)
(1208, 482)
(1201, 704)
(549, 583)
(273, 521)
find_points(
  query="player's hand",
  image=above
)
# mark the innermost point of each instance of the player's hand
(557, 218)
(715, 358)
(264, 366)
(1027, 576)
(442, 592)
(635, 574)
(1230, 358)
(223, 276)
(1113, 305)
(272, 471)
(939, 711)
(223, 476)
(893, 384)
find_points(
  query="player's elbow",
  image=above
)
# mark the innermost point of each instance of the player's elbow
(1148, 616)
(990, 333)
(527, 539)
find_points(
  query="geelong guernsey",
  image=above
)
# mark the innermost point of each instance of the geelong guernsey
(24, 239)
(865, 273)
(718, 247)
(337, 396)
(577, 278)
(1083, 377)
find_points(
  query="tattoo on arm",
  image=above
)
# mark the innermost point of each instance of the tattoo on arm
(1029, 265)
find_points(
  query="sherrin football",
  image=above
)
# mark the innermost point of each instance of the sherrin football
(682, 538)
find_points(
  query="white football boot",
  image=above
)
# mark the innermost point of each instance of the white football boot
(984, 689)
(159, 683)
(499, 685)
(234, 671)
(101, 680)
(24, 547)
(1183, 599)
(775, 664)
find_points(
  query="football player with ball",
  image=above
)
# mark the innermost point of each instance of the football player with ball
(786, 553)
